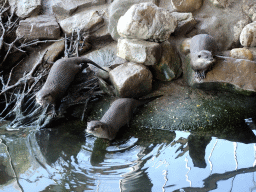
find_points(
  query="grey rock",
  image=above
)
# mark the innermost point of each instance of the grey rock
(139, 51)
(66, 8)
(146, 21)
(25, 8)
(117, 9)
(235, 75)
(84, 21)
(39, 27)
(131, 80)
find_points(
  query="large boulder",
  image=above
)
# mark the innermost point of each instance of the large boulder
(248, 35)
(66, 8)
(25, 8)
(117, 9)
(236, 75)
(139, 51)
(131, 80)
(169, 67)
(84, 21)
(146, 21)
(39, 27)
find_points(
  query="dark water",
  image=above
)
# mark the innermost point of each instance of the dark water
(67, 159)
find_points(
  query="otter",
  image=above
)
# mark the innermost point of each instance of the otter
(202, 50)
(60, 77)
(119, 114)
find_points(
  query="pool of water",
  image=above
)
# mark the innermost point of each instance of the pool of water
(68, 159)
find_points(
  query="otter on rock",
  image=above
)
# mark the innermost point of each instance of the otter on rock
(119, 114)
(202, 50)
(60, 77)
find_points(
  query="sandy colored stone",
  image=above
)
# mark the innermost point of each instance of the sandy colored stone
(248, 35)
(186, 5)
(148, 22)
(185, 46)
(39, 27)
(25, 8)
(139, 51)
(131, 80)
(241, 53)
(83, 21)
(54, 51)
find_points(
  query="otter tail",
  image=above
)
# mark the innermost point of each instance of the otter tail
(147, 100)
(85, 61)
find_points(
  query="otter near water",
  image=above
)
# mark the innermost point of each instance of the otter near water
(118, 115)
(61, 75)
(202, 50)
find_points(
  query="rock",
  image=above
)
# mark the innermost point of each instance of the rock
(235, 75)
(39, 27)
(220, 3)
(25, 8)
(54, 51)
(241, 53)
(237, 29)
(139, 51)
(131, 80)
(185, 21)
(249, 7)
(66, 8)
(248, 35)
(187, 5)
(185, 46)
(169, 67)
(146, 21)
(83, 21)
(117, 9)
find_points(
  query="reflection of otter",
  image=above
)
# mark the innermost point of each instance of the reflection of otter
(202, 49)
(61, 75)
(119, 114)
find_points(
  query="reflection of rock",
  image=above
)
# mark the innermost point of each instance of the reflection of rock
(131, 80)
(83, 21)
(236, 75)
(148, 22)
(169, 66)
(40, 27)
(99, 151)
(139, 51)
(197, 145)
(117, 9)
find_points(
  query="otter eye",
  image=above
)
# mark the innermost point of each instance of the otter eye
(199, 56)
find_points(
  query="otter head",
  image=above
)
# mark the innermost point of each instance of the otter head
(99, 129)
(202, 60)
(44, 99)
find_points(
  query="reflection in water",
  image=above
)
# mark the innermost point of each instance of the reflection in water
(67, 159)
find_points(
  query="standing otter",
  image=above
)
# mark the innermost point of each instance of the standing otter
(61, 75)
(119, 114)
(202, 49)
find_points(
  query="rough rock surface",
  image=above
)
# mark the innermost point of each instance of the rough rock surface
(54, 51)
(117, 9)
(237, 29)
(131, 80)
(236, 75)
(248, 35)
(169, 67)
(39, 27)
(25, 8)
(146, 21)
(83, 21)
(139, 51)
(187, 5)
(220, 3)
(241, 53)
(249, 7)
(66, 8)
(185, 21)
